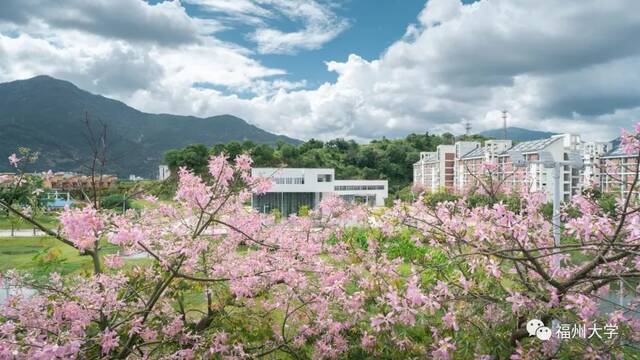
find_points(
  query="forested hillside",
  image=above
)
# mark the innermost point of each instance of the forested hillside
(390, 159)
(48, 115)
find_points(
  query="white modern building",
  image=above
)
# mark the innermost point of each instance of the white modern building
(294, 188)
(163, 172)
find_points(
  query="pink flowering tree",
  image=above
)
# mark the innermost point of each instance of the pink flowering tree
(491, 179)
(222, 280)
(504, 270)
(20, 189)
(414, 281)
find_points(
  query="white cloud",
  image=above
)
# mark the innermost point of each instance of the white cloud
(101, 46)
(317, 21)
(555, 66)
(560, 66)
(130, 20)
(321, 25)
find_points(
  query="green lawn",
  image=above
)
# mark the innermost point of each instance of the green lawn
(43, 255)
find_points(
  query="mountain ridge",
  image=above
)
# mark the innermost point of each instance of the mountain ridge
(517, 134)
(47, 114)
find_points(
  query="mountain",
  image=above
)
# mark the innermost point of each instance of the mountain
(517, 134)
(47, 115)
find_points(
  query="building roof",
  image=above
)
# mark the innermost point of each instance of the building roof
(617, 152)
(429, 157)
(532, 146)
(475, 153)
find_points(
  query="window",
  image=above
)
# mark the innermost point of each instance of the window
(289, 181)
(358, 187)
(324, 177)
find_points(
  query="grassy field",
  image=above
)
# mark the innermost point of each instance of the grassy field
(43, 255)
(48, 220)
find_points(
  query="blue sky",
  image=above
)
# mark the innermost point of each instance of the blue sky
(358, 69)
(371, 30)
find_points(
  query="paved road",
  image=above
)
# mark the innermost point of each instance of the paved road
(21, 233)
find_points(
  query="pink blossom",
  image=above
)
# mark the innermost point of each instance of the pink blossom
(368, 342)
(449, 320)
(192, 190)
(518, 302)
(149, 335)
(586, 307)
(243, 162)
(82, 226)
(493, 269)
(489, 166)
(444, 350)
(113, 261)
(14, 160)
(109, 341)
(262, 185)
(629, 142)
(218, 345)
(221, 170)
(173, 328)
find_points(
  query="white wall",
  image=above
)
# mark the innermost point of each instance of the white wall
(380, 194)
(312, 185)
(163, 172)
(310, 176)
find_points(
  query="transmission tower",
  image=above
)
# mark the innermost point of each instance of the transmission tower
(504, 124)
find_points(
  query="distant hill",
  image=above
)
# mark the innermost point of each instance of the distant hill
(517, 134)
(46, 114)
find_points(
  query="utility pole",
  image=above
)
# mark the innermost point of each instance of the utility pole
(575, 161)
(504, 124)
(557, 167)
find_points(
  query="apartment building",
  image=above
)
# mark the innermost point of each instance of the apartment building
(436, 170)
(534, 176)
(424, 171)
(294, 188)
(469, 164)
(618, 171)
(592, 153)
(67, 181)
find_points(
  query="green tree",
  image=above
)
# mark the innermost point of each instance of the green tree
(194, 157)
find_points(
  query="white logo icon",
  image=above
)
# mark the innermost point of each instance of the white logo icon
(536, 328)
(543, 333)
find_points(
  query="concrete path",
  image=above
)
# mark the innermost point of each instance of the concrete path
(20, 233)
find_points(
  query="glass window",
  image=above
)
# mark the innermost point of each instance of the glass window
(324, 177)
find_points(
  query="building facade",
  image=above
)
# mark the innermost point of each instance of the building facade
(534, 176)
(617, 171)
(469, 165)
(71, 181)
(592, 153)
(436, 170)
(424, 171)
(458, 167)
(163, 172)
(294, 188)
